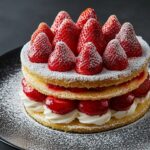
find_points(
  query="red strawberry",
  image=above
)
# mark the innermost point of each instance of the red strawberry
(60, 106)
(111, 28)
(89, 62)
(114, 56)
(40, 49)
(121, 103)
(91, 32)
(58, 20)
(43, 27)
(129, 41)
(56, 88)
(62, 58)
(32, 93)
(93, 107)
(85, 15)
(68, 33)
(143, 88)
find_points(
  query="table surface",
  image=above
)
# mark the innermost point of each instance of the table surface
(18, 19)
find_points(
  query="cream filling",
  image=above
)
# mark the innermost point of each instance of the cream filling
(30, 104)
(121, 114)
(96, 119)
(56, 118)
(82, 117)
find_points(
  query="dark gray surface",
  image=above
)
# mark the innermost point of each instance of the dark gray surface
(19, 18)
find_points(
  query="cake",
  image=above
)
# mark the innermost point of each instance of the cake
(85, 77)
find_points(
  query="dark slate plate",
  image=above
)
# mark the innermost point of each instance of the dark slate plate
(18, 129)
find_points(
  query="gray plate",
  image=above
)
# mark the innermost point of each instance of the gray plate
(20, 130)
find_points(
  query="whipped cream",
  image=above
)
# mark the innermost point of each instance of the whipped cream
(142, 99)
(121, 114)
(96, 119)
(32, 105)
(57, 118)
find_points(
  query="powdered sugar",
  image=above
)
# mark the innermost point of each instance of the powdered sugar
(42, 69)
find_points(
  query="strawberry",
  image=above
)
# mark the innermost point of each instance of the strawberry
(114, 56)
(91, 32)
(40, 49)
(85, 15)
(121, 103)
(68, 33)
(62, 58)
(89, 62)
(60, 106)
(93, 107)
(111, 28)
(43, 27)
(58, 20)
(56, 87)
(143, 88)
(32, 93)
(129, 41)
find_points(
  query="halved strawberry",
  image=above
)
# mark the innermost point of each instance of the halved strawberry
(89, 62)
(68, 33)
(62, 58)
(143, 88)
(60, 106)
(93, 107)
(32, 93)
(129, 41)
(91, 32)
(56, 88)
(121, 103)
(85, 15)
(40, 49)
(43, 27)
(111, 27)
(114, 56)
(58, 20)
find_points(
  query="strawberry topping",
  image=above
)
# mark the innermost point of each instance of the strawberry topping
(62, 58)
(40, 49)
(68, 33)
(32, 93)
(58, 20)
(114, 56)
(91, 32)
(122, 103)
(111, 28)
(85, 15)
(93, 107)
(43, 27)
(89, 62)
(60, 106)
(143, 88)
(129, 41)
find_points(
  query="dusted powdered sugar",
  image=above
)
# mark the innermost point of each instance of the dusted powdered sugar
(42, 69)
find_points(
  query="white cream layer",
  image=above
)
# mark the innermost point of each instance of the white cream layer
(32, 105)
(82, 117)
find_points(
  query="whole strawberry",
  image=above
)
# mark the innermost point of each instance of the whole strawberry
(91, 32)
(58, 20)
(68, 33)
(114, 56)
(40, 49)
(89, 62)
(85, 15)
(62, 58)
(43, 27)
(129, 41)
(111, 28)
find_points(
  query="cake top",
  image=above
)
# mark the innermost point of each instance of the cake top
(85, 47)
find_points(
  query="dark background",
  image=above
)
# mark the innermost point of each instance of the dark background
(19, 18)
